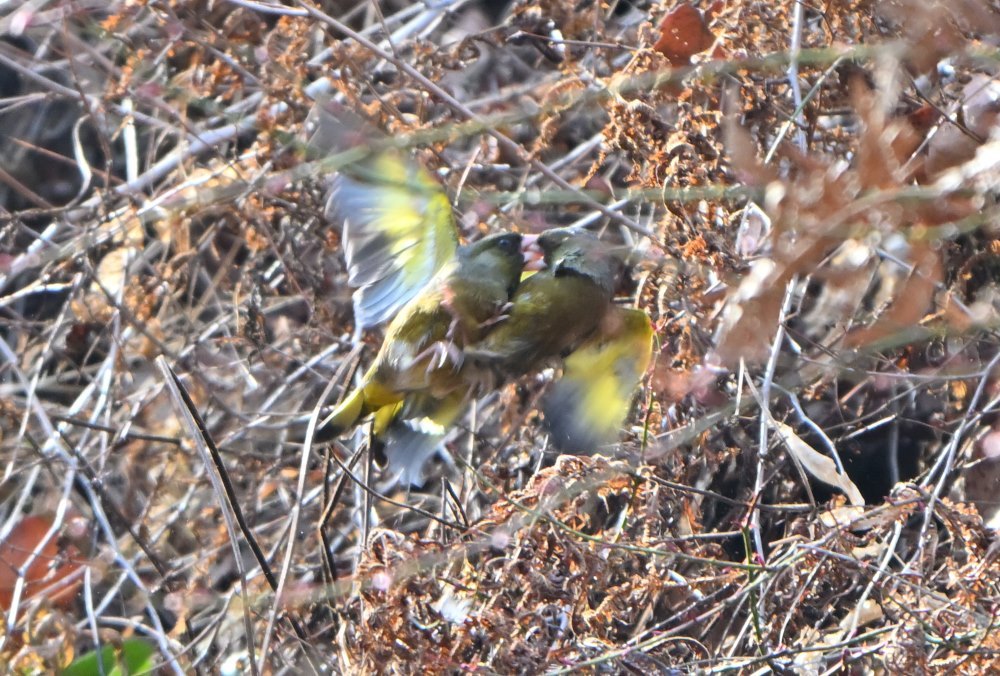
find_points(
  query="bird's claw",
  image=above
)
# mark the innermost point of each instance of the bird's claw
(439, 353)
(452, 330)
(503, 313)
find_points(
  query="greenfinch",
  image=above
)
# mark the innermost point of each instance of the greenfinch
(402, 253)
(587, 406)
(555, 310)
(567, 311)
(422, 349)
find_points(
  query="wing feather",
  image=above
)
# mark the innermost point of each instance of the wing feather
(398, 232)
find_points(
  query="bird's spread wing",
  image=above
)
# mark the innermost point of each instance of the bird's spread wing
(398, 232)
(588, 405)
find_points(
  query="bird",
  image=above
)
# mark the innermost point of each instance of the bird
(422, 348)
(556, 309)
(462, 323)
(403, 256)
(586, 407)
(566, 315)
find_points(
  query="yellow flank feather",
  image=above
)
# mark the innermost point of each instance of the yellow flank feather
(361, 401)
(346, 414)
(384, 417)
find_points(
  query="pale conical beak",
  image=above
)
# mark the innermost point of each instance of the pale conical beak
(534, 257)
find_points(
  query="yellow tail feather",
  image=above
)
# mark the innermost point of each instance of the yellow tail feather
(347, 413)
(370, 398)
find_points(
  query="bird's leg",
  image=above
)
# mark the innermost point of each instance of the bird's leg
(454, 354)
(439, 353)
(480, 380)
(452, 329)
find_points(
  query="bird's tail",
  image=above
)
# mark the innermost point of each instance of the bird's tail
(417, 432)
(347, 413)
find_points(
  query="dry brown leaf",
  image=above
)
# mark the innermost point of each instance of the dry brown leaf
(818, 465)
(841, 517)
(51, 573)
(953, 144)
(911, 304)
(885, 143)
(742, 152)
(982, 480)
(683, 34)
(110, 278)
(750, 317)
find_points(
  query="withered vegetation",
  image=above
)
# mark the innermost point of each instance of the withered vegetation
(808, 479)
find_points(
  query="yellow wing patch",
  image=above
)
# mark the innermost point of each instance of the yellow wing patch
(588, 405)
(398, 232)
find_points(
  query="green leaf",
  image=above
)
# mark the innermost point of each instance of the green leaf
(135, 656)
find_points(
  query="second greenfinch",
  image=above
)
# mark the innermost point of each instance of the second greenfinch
(567, 311)
(554, 310)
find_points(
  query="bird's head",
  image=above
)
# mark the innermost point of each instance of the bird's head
(499, 255)
(574, 251)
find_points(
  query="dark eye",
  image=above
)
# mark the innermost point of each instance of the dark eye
(507, 243)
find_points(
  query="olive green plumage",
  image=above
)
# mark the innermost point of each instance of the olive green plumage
(422, 349)
(558, 308)
(567, 312)
(462, 320)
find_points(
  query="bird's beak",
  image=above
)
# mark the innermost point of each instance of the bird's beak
(534, 257)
